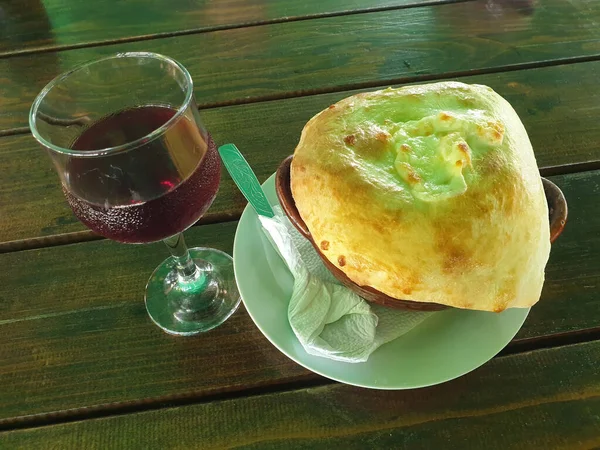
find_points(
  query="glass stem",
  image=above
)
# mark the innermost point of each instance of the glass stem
(197, 289)
(187, 270)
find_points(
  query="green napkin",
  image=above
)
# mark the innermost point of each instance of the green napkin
(329, 319)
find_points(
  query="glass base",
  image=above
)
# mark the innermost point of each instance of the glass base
(185, 307)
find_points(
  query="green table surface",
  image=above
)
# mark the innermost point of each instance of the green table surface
(81, 364)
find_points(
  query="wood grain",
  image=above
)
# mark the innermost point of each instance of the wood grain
(337, 53)
(558, 105)
(573, 262)
(34, 25)
(57, 347)
(515, 402)
(75, 332)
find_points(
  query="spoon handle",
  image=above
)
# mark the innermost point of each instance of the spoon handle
(245, 179)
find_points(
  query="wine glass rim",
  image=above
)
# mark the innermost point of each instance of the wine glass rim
(118, 148)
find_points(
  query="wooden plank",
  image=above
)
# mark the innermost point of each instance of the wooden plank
(573, 261)
(75, 333)
(558, 105)
(336, 53)
(516, 402)
(57, 347)
(33, 25)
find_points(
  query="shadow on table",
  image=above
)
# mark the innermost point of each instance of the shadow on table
(491, 16)
(24, 23)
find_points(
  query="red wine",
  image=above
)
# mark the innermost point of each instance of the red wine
(184, 186)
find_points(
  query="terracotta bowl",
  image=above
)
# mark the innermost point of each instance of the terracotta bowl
(557, 206)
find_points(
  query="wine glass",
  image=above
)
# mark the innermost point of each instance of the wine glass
(137, 165)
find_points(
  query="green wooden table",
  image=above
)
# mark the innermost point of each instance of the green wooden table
(81, 364)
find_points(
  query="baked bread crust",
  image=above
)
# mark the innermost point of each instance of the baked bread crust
(428, 193)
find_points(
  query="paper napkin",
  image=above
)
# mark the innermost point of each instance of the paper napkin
(329, 319)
